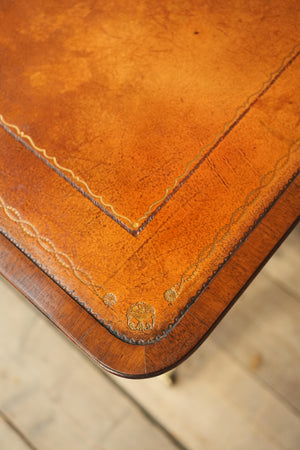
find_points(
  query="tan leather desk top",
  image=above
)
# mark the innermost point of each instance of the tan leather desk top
(141, 142)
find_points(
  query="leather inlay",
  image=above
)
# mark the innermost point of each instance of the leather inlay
(118, 104)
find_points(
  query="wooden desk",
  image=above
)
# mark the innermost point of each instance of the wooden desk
(148, 166)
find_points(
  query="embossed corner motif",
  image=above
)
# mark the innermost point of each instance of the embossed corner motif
(171, 295)
(140, 317)
(109, 299)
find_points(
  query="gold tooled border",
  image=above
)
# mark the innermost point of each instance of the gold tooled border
(191, 272)
(171, 294)
(191, 301)
(135, 224)
(64, 260)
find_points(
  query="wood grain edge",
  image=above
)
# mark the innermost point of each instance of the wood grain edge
(133, 361)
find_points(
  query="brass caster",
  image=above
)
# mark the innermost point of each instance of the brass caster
(169, 378)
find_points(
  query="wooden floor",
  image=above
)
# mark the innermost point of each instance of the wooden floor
(240, 390)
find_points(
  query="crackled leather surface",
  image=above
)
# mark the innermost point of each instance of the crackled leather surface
(140, 143)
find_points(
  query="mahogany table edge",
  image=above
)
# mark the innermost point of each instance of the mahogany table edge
(37, 287)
